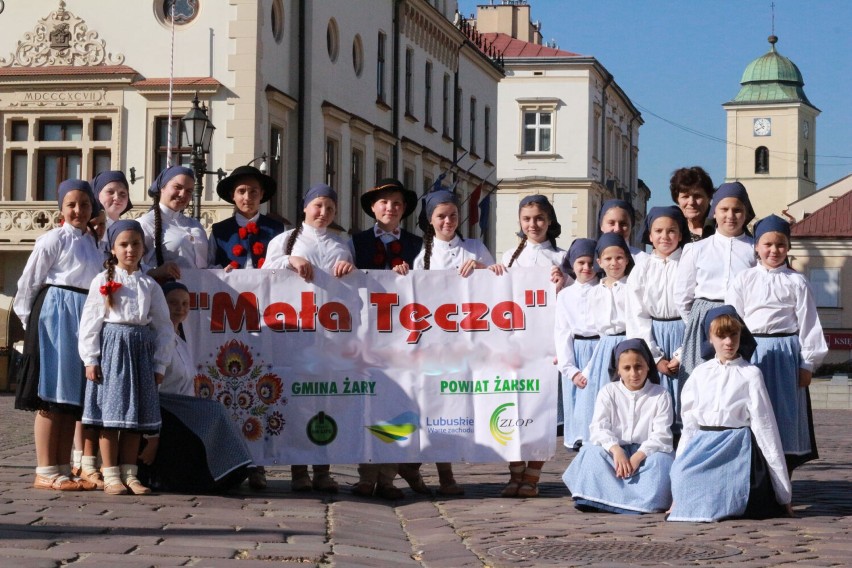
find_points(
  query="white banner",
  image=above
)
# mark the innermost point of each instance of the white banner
(377, 367)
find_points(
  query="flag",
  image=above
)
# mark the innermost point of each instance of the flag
(484, 213)
(473, 206)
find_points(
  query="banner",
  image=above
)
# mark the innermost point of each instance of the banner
(377, 367)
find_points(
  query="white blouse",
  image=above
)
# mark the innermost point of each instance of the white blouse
(454, 253)
(641, 417)
(733, 395)
(321, 247)
(609, 307)
(536, 254)
(707, 268)
(639, 256)
(139, 301)
(184, 239)
(780, 300)
(650, 294)
(64, 256)
(573, 318)
(179, 375)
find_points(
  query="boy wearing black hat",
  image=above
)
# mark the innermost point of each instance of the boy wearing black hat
(384, 246)
(241, 240)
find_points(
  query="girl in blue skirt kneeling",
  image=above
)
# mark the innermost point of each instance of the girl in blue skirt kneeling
(730, 462)
(625, 467)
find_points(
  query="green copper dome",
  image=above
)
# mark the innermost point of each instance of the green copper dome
(772, 78)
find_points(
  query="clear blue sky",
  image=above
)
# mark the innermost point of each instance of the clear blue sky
(682, 60)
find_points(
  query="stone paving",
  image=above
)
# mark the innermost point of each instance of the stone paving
(42, 528)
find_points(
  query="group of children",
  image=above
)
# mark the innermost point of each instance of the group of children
(632, 331)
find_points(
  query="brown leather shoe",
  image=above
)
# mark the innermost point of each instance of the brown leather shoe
(364, 489)
(325, 483)
(93, 476)
(389, 492)
(58, 483)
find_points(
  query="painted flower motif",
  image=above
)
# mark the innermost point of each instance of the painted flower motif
(242, 232)
(110, 287)
(252, 228)
(245, 400)
(252, 429)
(238, 250)
(257, 248)
(275, 423)
(226, 398)
(203, 386)
(269, 388)
(234, 359)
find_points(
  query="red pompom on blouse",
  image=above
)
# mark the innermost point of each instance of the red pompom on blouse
(238, 250)
(252, 228)
(110, 287)
(260, 262)
(257, 249)
(234, 264)
(395, 247)
(242, 232)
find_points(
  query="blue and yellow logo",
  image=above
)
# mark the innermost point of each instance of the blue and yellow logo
(502, 436)
(396, 429)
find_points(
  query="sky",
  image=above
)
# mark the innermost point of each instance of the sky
(681, 60)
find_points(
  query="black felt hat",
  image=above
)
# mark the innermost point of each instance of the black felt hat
(385, 186)
(225, 188)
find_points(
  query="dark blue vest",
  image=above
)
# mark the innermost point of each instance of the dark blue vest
(225, 236)
(367, 249)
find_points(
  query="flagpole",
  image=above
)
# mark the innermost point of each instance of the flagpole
(493, 189)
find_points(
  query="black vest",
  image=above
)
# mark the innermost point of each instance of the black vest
(225, 236)
(369, 249)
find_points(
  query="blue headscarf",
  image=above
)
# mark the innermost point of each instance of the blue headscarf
(69, 185)
(430, 201)
(165, 176)
(319, 190)
(747, 343)
(671, 212)
(621, 204)
(578, 249)
(555, 229)
(105, 178)
(771, 224)
(173, 285)
(123, 225)
(639, 345)
(614, 240)
(733, 189)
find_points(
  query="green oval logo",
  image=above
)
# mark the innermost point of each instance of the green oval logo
(321, 429)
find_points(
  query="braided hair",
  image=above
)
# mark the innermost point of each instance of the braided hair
(158, 231)
(109, 264)
(518, 250)
(294, 236)
(428, 240)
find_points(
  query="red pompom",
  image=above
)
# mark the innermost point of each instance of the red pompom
(379, 259)
(396, 261)
(395, 247)
(110, 287)
(242, 232)
(252, 228)
(238, 250)
(233, 264)
(257, 249)
(260, 262)
(380, 246)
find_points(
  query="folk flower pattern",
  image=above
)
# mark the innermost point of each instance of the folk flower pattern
(246, 386)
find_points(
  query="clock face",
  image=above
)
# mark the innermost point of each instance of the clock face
(806, 129)
(762, 126)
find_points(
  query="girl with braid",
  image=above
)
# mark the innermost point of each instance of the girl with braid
(311, 245)
(173, 241)
(125, 343)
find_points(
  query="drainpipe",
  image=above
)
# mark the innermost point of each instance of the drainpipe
(301, 143)
(397, 5)
(609, 79)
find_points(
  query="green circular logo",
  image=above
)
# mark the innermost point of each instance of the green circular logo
(321, 429)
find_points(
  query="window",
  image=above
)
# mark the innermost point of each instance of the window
(184, 11)
(19, 175)
(60, 130)
(102, 130)
(380, 68)
(487, 141)
(356, 181)
(427, 184)
(331, 162)
(357, 55)
(332, 40)
(825, 283)
(457, 115)
(805, 164)
(381, 169)
(445, 121)
(409, 95)
(20, 131)
(101, 161)
(277, 18)
(180, 154)
(473, 125)
(427, 111)
(54, 166)
(761, 160)
(538, 127)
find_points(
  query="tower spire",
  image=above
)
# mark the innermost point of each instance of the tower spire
(773, 39)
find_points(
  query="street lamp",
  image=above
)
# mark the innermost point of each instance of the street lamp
(197, 134)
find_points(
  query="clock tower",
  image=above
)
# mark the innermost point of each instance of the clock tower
(771, 134)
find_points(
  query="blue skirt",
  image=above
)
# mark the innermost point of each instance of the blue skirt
(669, 337)
(62, 376)
(778, 359)
(583, 350)
(127, 397)
(600, 373)
(593, 484)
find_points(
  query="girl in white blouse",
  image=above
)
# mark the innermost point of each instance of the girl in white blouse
(778, 306)
(574, 331)
(618, 216)
(125, 340)
(625, 467)
(651, 310)
(173, 240)
(49, 301)
(311, 245)
(729, 461)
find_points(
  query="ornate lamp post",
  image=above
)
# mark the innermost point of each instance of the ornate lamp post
(197, 134)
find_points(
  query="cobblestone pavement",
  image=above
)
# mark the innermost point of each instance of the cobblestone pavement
(43, 528)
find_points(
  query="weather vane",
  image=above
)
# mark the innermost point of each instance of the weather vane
(772, 9)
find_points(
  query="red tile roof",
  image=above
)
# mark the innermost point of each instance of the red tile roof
(511, 47)
(178, 82)
(831, 221)
(68, 70)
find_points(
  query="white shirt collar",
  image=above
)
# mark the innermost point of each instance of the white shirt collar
(168, 213)
(243, 221)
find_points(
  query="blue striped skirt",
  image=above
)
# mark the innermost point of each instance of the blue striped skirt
(601, 372)
(127, 397)
(778, 359)
(669, 337)
(583, 350)
(62, 376)
(593, 484)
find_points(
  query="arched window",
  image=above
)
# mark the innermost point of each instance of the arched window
(761, 160)
(806, 165)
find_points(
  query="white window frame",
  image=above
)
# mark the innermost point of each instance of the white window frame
(538, 107)
(825, 283)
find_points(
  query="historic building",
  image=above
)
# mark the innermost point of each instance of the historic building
(565, 129)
